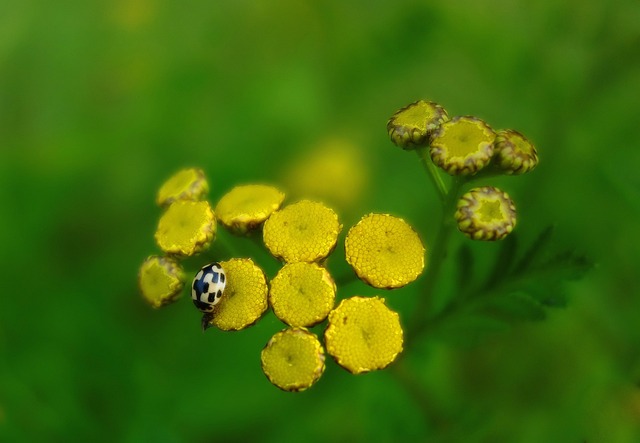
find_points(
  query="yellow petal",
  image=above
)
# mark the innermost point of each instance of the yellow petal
(363, 334)
(486, 213)
(384, 251)
(186, 184)
(245, 295)
(186, 228)
(293, 360)
(304, 231)
(161, 280)
(244, 208)
(462, 146)
(412, 125)
(302, 294)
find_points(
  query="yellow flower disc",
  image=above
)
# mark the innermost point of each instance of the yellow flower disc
(384, 251)
(514, 153)
(486, 213)
(161, 280)
(363, 334)
(412, 125)
(344, 167)
(246, 207)
(245, 295)
(187, 184)
(462, 146)
(302, 294)
(304, 231)
(293, 360)
(186, 228)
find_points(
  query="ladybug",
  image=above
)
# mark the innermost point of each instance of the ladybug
(207, 290)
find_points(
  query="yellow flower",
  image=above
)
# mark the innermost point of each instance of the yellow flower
(514, 153)
(161, 280)
(384, 251)
(246, 207)
(186, 228)
(462, 146)
(293, 360)
(363, 334)
(302, 294)
(412, 125)
(304, 231)
(187, 184)
(486, 213)
(245, 295)
(344, 167)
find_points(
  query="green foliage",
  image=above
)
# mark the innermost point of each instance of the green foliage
(521, 286)
(100, 101)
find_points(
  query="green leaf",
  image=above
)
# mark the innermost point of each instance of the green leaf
(504, 261)
(536, 247)
(513, 307)
(469, 329)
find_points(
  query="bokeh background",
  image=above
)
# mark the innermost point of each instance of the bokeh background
(101, 101)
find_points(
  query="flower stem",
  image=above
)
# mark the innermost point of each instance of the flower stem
(432, 172)
(424, 309)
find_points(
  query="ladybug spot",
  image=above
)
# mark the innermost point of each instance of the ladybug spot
(219, 294)
(205, 288)
(211, 297)
(222, 278)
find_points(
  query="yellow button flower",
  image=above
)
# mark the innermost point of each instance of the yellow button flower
(363, 334)
(246, 207)
(186, 228)
(514, 153)
(412, 125)
(186, 184)
(344, 167)
(462, 146)
(384, 251)
(161, 280)
(293, 360)
(486, 213)
(245, 295)
(302, 294)
(304, 231)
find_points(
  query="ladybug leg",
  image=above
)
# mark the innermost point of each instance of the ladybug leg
(206, 319)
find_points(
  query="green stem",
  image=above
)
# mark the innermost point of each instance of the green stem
(432, 172)
(424, 309)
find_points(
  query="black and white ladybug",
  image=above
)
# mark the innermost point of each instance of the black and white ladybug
(207, 290)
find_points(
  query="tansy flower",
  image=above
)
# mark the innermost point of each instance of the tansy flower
(161, 280)
(344, 168)
(384, 251)
(293, 360)
(304, 231)
(302, 294)
(412, 125)
(245, 295)
(186, 184)
(246, 207)
(514, 153)
(462, 146)
(486, 214)
(186, 228)
(363, 334)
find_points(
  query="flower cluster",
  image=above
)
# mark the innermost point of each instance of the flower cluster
(361, 333)
(466, 147)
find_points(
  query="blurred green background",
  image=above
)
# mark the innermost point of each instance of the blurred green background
(101, 101)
